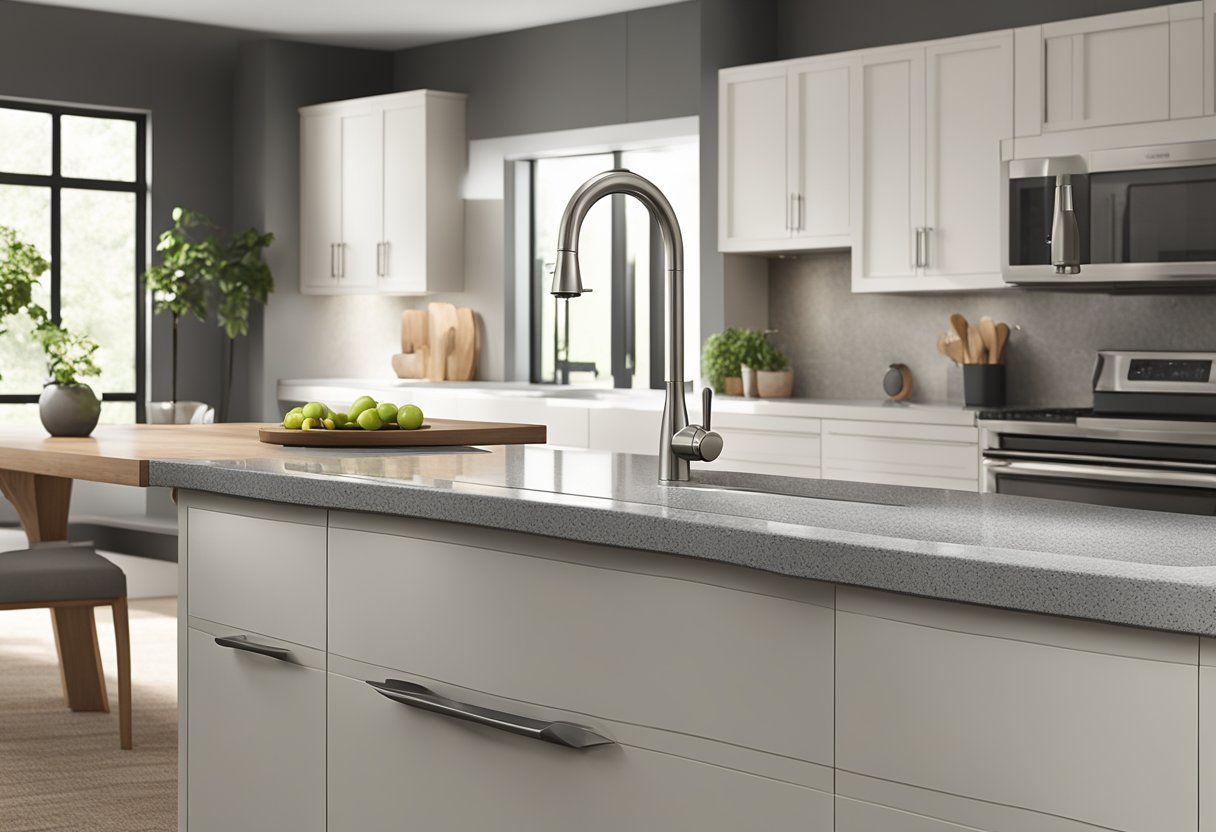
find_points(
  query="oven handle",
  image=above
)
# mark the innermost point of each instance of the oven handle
(1007, 467)
(1088, 459)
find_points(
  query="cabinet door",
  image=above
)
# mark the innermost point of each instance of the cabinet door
(926, 456)
(819, 155)
(255, 729)
(889, 205)
(969, 111)
(362, 199)
(320, 201)
(754, 198)
(1089, 722)
(1113, 69)
(401, 264)
(1207, 735)
(389, 762)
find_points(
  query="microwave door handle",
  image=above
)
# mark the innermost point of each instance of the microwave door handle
(1098, 473)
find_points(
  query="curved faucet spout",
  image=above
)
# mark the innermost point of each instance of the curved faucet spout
(690, 442)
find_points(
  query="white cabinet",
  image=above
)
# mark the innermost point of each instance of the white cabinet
(1207, 735)
(1146, 65)
(255, 730)
(392, 766)
(890, 453)
(785, 143)
(1082, 721)
(926, 182)
(380, 204)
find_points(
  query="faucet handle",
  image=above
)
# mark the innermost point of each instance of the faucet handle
(707, 401)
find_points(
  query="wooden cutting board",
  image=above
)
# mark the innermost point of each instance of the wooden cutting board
(443, 320)
(433, 432)
(462, 363)
(414, 330)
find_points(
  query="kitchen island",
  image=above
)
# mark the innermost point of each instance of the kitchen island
(745, 652)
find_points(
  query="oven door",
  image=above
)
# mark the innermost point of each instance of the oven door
(1183, 488)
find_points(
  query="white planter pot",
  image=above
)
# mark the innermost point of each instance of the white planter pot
(749, 383)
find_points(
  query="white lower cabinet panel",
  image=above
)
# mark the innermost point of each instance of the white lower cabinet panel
(1207, 735)
(392, 766)
(858, 816)
(1054, 725)
(928, 456)
(702, 649)
(256, 738)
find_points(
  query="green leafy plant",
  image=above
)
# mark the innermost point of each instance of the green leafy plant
(727, 352)
(190, 255)
(242, 278)
(69, 357)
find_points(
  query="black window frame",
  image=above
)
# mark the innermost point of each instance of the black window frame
(57, 182)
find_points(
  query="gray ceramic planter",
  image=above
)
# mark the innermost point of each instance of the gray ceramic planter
(69, 409)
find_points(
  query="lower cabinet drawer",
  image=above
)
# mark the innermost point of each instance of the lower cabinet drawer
(702, 649)
(255, 733)
(858, 816)
(392, 766)
(929, 456)
(1088, 722)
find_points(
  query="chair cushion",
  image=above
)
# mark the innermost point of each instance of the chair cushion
(58, 572)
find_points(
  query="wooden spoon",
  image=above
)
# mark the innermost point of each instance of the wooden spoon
(954, 348)
(941, 345)
(958, 324)
(976, 352)
(988, 335)
(1002, 338)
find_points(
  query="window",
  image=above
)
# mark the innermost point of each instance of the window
(73, 183)
(614, 336)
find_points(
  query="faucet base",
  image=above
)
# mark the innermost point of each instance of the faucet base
(673, 468)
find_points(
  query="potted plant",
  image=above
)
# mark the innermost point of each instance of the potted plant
(67, 406)
(190, 254)
(765, 369)
(722, 359)
(241, 279)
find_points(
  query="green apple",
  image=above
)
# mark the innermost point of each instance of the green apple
(329, 424)
(360, 404)
(387, 412)
(293, 420)
(348, 425)
(340, 418)
(370, 420)
(313, 410)
(409, 417)
(298, 410)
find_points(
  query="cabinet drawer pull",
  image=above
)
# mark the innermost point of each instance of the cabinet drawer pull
(243, 643)
(558, 733)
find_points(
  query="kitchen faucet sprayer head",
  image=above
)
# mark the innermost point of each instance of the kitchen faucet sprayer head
(567, 279)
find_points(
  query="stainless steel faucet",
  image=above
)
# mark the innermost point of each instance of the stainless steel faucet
(679, 442)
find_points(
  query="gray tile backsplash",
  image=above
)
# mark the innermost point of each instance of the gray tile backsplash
(841, 343)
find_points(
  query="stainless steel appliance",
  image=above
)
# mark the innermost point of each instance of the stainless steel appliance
(1149, 442)
(1121, 219)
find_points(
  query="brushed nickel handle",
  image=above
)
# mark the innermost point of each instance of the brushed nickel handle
(917, 263)
(333, 260)
(559, 733)
(925, 233)
(801, 213)
(387, 254)
(243, 643)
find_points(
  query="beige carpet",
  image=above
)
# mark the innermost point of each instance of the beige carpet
(64, 771)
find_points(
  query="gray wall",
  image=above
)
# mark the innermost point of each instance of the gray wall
(183, 75)
(814, 27)
(840, 344)
(634, 66)
(297, 335)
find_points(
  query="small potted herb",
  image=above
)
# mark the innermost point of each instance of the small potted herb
(67, 406)
(722, 360)
(766, 370)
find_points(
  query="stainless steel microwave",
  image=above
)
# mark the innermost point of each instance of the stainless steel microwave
(1141, 218)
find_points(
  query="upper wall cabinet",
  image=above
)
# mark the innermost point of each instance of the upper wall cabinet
(1146, 65)
(380, 204)
(926, 179)
(784, 151)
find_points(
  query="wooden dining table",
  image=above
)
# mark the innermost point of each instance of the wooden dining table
(36, 475)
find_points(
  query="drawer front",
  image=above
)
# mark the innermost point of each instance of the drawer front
(932, 456)
(1023, 711)
(262, 575)
(624, 430)
(390, 764)
(858, 816)
(255, 729)
(585, 629)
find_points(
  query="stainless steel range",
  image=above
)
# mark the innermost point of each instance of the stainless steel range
(1149, 442)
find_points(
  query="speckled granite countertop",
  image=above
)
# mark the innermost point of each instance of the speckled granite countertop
(1145, 569)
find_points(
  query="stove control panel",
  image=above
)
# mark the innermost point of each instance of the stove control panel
(1186, 371)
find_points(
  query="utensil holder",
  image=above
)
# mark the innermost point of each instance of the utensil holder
(984, 385)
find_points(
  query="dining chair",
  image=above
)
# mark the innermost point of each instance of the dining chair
(72, 579)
